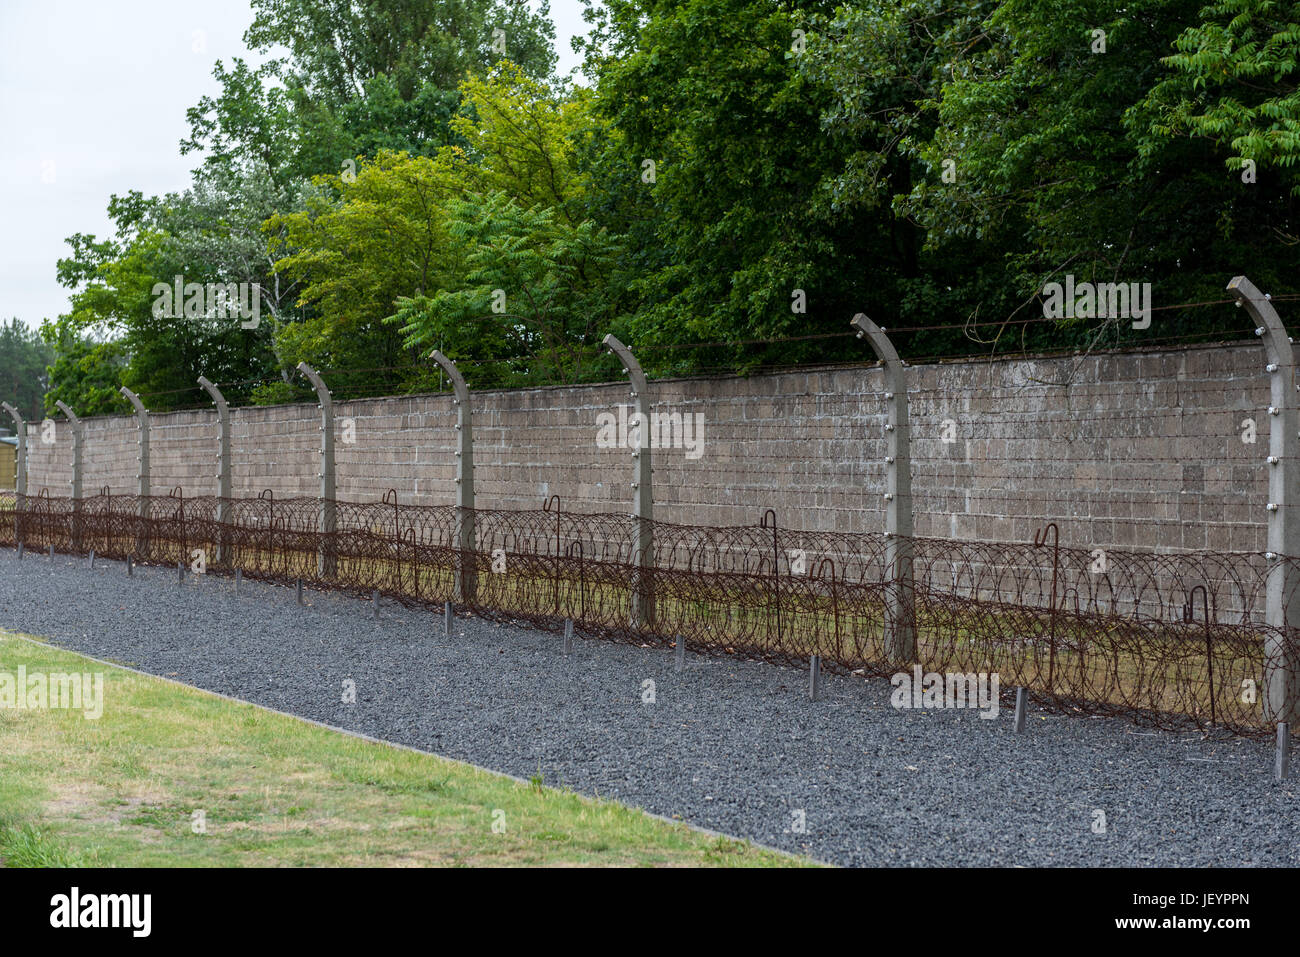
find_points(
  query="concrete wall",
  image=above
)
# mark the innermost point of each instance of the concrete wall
(1141, 449)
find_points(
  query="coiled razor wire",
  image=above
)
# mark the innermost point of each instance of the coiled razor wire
(1175, 641)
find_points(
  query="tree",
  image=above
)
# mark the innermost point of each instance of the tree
(1236, 81)
(337, 46)
(359, 77)
(720, 132)
(211, 234)
(86, 373)
(519, 136)
(1042, 118)
(548, 327)
(406, 256)
(24, 376)
(358, 247)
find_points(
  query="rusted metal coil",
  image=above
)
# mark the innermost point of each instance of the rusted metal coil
(1168, 640)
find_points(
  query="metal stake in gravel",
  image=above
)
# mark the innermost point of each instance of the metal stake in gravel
(679, 654)
(1282, 761)
(90, 562)
(239, 577)
(299, 586)
(447, 616)
(1022, 703)
(568, 636)
(814, 676)
(374, 601)
(20, 551)
(51, 554)
(130, 566)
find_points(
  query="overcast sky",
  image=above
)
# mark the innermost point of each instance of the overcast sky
(93, 97)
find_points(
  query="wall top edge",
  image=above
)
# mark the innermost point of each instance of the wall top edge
(792, 370)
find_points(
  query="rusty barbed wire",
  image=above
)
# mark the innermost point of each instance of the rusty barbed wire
(1176, 641)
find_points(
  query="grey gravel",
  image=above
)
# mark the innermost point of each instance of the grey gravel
(729, 745)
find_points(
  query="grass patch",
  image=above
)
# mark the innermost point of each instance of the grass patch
(129, 790)
(25, 845)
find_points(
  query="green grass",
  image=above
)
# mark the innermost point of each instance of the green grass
(25, 845)
(275, 791)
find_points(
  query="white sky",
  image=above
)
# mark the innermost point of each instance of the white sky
(93, 97)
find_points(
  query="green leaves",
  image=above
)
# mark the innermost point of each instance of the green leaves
(731, 224)
(410, 253)
(359, 245)
(337, 46)
(533, 290)
(210, 233)
(24, 357)
(85, 374)
(407, 175)
(1236, 82)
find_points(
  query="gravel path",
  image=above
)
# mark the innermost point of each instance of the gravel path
(732, 746)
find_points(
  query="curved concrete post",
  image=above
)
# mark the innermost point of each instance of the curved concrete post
(142, 416)
(466, 579)
(223, 463)
(142, 464)
(1282, 589)
(75, 422)
(20, 469)
(75, 482)
(20, 463)
(900, 601)
(643, 597)
(326, 560)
